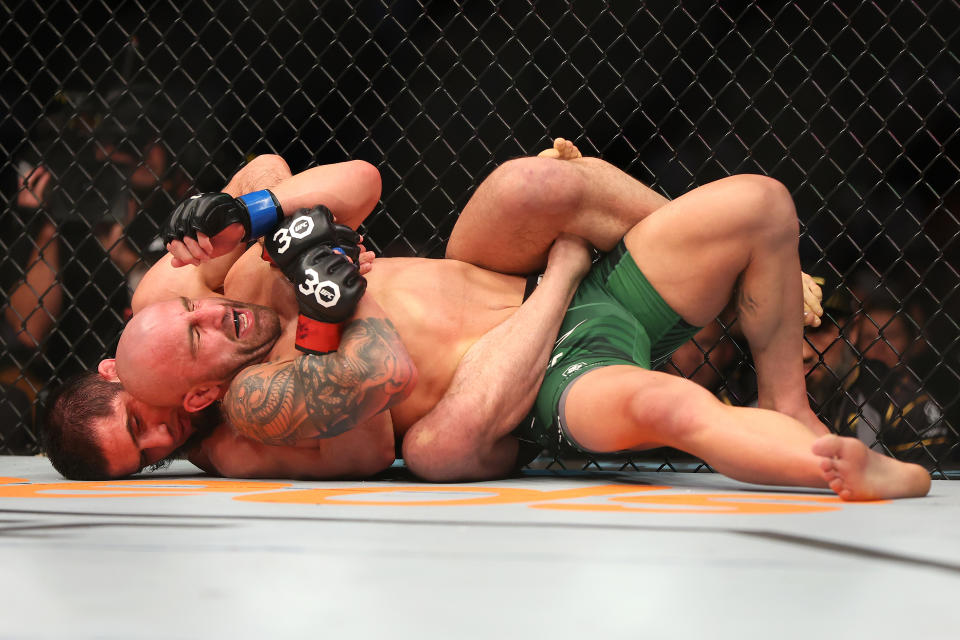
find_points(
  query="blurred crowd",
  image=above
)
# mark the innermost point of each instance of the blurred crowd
(871, 372)
(79, 231)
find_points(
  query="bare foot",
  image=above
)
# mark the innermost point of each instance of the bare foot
(855, 472)
(562, 149)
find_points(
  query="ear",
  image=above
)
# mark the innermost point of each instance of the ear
(200, 397)
(108, 370)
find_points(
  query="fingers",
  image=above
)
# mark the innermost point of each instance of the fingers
(32, 187)
(203, 240)
(38, 180)
(812, 295)
(40, 186)
(195, 250)
(200, 250)
(366, 262)
(811, 319)
(181, 254)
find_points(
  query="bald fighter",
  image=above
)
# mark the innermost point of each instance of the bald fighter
(600, 395)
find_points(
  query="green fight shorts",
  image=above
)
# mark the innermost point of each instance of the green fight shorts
(616, 317)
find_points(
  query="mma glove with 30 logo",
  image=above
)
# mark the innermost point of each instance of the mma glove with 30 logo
(305, 229)
(328, 288)
(210, 213)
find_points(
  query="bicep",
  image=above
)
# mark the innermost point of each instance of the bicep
(264, 404)
(350, 189)
(323, 396)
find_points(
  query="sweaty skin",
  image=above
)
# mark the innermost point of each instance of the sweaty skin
(457, 301)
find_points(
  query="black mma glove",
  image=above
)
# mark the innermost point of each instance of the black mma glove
(305, 229)
(210, 213)
(328, 288)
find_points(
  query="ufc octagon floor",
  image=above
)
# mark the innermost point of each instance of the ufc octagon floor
(600, 555)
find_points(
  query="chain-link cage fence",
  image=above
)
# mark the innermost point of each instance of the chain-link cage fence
(115, 111)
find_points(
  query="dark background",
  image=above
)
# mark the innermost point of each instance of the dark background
(853, 106)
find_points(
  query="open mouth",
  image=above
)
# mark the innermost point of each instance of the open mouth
(241, 323)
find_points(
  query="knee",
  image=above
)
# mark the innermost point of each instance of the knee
(530, 184)
(426, 456)
(769, 206)
(673, 407)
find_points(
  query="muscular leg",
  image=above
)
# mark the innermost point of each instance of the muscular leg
(623, 407)
(467, 435)
(740, 231)
(518, 210)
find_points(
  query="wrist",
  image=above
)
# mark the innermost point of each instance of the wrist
(264, 212)
(316, 337)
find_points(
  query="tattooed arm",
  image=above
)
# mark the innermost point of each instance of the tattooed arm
(310, 397)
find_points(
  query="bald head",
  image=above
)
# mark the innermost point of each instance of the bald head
(173, 349)
(152, 362)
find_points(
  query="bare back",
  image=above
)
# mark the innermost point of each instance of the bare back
(439, 307)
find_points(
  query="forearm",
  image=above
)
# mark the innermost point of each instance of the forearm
(349, 189)
(506, 366)
(163, 281)
(495, 385)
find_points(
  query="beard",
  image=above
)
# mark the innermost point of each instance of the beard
(203, 422)
(255, 348)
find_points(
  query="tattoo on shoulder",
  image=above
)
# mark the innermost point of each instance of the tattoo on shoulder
(322, 396)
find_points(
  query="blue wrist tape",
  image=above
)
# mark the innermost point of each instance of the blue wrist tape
(263, 212)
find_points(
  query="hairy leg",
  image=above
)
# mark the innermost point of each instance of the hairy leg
(518, 210)
(467, 435)
(737, 233)
(622, 407)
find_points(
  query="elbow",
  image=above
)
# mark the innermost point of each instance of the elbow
(368, 183)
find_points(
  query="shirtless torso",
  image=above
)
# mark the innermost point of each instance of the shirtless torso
(439, 307)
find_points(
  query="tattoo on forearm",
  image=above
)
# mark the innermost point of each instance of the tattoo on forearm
(322, 396)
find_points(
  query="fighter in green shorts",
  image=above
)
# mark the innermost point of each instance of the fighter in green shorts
(733, 240)
(616, 317)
